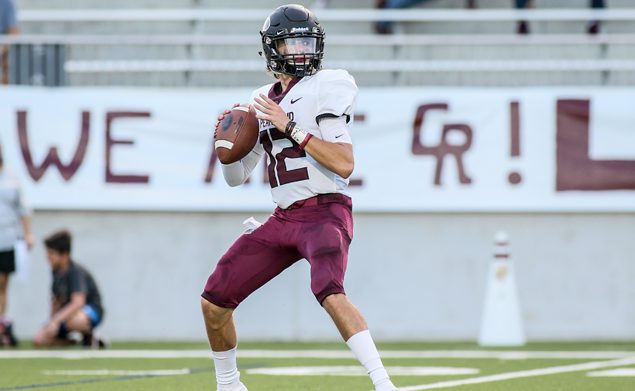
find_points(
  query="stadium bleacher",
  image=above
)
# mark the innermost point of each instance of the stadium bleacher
(204, 43)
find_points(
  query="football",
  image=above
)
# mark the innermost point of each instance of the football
(236, 134)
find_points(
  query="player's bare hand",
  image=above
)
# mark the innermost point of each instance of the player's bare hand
(272, 112)
(224, 113)
(222, 117)
(52, 328)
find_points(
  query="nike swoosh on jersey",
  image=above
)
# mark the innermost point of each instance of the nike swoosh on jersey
(339, 135)
(295, 100)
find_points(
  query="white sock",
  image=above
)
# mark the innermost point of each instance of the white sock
(364, 349)
(226, 369)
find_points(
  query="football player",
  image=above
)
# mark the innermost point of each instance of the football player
(304, 118)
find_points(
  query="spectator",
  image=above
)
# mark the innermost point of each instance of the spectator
(14, 217)
(8, 26)
(592, 28)
(386, 27)
(76, 304)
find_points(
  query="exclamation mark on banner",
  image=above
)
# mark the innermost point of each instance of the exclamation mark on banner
(514, 141)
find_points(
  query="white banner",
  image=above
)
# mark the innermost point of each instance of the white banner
(416, 149)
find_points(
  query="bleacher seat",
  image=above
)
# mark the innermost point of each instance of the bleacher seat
(338, 51)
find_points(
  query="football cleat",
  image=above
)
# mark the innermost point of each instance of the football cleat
(93, 341)
(7, 338)
(239, 387)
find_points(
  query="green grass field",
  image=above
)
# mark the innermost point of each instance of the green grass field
(415, 366)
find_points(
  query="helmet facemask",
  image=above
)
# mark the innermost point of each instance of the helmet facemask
(297, 56)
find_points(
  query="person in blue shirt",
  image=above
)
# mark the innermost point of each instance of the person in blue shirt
(8, 26)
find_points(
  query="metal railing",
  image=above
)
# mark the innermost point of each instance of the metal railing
(145, 65)
(337, 40)
(338, 15)
(394, 43)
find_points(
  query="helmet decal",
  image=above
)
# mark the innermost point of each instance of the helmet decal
(267, 24)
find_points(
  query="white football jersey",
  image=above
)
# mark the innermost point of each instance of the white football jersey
(293, 174)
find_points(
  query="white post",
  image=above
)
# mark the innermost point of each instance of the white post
(502, 321)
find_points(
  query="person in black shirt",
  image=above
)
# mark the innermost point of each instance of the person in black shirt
(76, 304)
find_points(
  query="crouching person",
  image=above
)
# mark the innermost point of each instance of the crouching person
(76, 302)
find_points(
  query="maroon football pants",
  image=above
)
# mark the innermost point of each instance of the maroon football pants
(319, 229)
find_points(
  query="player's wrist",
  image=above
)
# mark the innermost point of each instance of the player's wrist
(298, 134)
(289, 127)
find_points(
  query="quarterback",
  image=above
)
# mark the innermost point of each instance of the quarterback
(304, 119)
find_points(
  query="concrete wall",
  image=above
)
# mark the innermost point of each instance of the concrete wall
(414, 276)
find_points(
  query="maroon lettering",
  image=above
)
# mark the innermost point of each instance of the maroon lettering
(575, 169)
(211, 166)
(359, 118)
(514, 140)
(444, 148)
(280, 166)
(358, 182)
(110, 143)
(268, 147)
(514, 126)
(52, 157)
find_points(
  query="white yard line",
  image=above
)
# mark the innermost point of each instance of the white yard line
(522, 374)
(464, 354)
(116, 372)
(358, 370)
(620, 372)
(277, 371)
